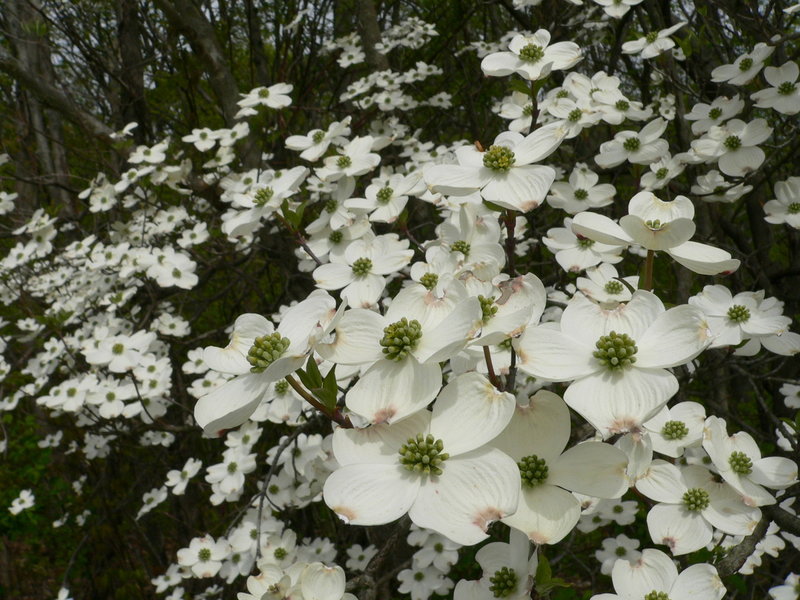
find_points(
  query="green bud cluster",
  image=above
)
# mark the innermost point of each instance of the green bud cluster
(527, 110)
(632, 144)
(499, 158)
(613, 287)
(531, 53)
(263, 196)
(335, 237)
(362, 267)
(384, 195)
(715, 113)
(745, 64)
(263, 93)
(575, 115)
(696, 499)
(794, 208)
(344, 161)
(232, 467)
(662, 172)
(423, 454)
(622, 105)
(674, 430)
(585, 243)
(740, 463)
(318, 137)
(400, 338)
(281, 387)
(787, 88)
(488, 308)
(732, 142)
(654, 595)
(533, 470)
(266, 350)
(581, 194)
(616, 351)
(738, 313)
(503, 582)
(429, 280)
(204, 554)
(651, 37)
(331, 204)
(117, 348)
(655, 225)
(461, 246)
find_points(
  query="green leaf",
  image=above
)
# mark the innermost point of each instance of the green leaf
(517, 85)
(312, 370)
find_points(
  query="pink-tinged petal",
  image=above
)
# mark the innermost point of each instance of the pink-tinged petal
(674, 338)
(377, 443)
(522, 188)
(470, 412)
(473, 490)
(727, 512)
(704, 259)
(546, 514)
(522, 301)
(741, 162)
(231, 404)
(654, 571)
(356, 340)
(499, 64)
(621, 402)
(600, 229)
(371, 494)
(575, 260)
(540, 144)
(587, 321)
(455, 180)
(698, 581)
(391, 390)
(469, 590)
(682, 530)
(593, 469)
(548, 353)
(662, 483)
(670, 235)
(774, 472)
(452, 334)
(541, 428)
(365, 291)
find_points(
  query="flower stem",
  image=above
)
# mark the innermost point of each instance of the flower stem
(487, 355)
(648, 270)
(334, 415)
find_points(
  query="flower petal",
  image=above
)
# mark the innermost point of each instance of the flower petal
(593, 469)
(546, 513)
(231, 404)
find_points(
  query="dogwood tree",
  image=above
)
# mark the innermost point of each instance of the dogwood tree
(325, 300)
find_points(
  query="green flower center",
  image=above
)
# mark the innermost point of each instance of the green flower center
(621, 551)
(745, 63)
(281, 387)
(335, 237)
(616, 351)
(740, 463)
(651, 37)
(527, 110)
(662, 172)
(419, 576)
(715, 113)
(506, 344)
(732, 142)
(264, 93)
(384, 195)
(488, 308)
(499, 158)
(794, 208)
(400, 338)
(331, 205)
(696, 499)
(460, 246)
(533, 470)
(362, 267)
(531, 53)
(204, 554)
(318, 137)
(655, 225)
(117, 348)
(654, 595)
(786, 88)
(738, 313)
(622, 105)
(581, 194)
(503, 582)
(575, 115)
(263, 196)
(423, 454)
(232, 467)
(273, 489)
(266, 350)
(613, 287)
(429, 280)
(343, 162)
(674, 430)
(585, 243)
(280, 553)
(559, 94)
(632, 144)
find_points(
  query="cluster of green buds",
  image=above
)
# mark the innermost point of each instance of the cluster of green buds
(533, 470)
(423, 454)
(499, 158)
(616, 351)
(266, 350)
(400, 338)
